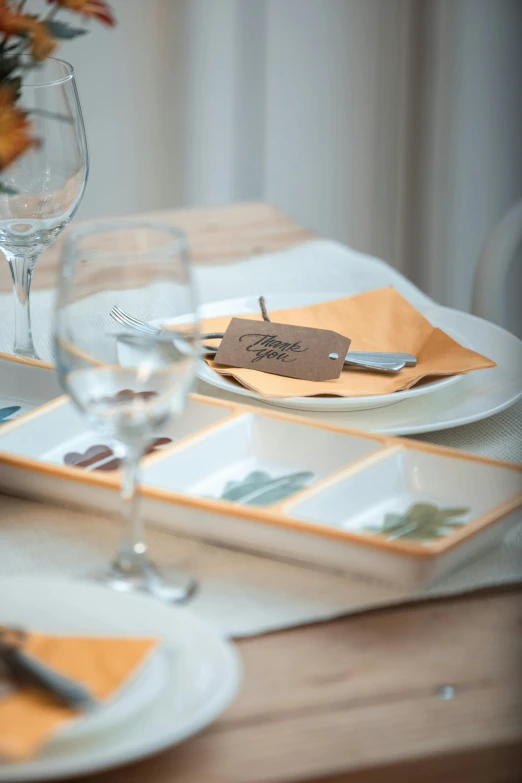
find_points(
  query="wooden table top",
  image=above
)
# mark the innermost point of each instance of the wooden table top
(215, 235)
(365, 698)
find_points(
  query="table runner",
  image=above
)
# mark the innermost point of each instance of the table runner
(242, 594)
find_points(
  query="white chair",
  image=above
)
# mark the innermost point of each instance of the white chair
(495, 294)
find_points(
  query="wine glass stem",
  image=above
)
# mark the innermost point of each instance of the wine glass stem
(132, 555)
(22, 272)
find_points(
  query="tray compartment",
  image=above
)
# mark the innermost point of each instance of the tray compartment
(375, 499)
(256, 460)
(24, 387)
(58, 435)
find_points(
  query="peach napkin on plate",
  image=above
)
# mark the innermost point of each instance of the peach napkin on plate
(378, 320)
(29, 718)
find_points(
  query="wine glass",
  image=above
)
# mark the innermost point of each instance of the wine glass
(43, 187)
(143, 268)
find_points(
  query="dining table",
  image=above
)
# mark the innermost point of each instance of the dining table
(425, 691)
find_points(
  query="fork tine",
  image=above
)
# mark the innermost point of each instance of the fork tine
(120, 314)
(121, 317)
(124, 318)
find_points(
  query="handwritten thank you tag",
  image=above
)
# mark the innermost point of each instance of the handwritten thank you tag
(283, 349)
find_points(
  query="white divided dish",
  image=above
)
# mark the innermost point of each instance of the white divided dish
(200, 674)
(272, 483)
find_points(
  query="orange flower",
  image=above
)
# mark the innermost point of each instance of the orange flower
(42, 42)
(96, 8)
(13, 23)
(14, 129)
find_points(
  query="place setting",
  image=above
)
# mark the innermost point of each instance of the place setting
(391, 315)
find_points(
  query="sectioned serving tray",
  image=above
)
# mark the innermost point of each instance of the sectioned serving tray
(270, 482)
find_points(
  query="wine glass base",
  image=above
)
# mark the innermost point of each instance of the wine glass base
(31, 354)
(168, 584)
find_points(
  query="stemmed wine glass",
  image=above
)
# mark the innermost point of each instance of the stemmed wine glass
(129, 386)
(42, 188)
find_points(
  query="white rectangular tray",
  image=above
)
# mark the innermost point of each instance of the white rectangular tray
(265, 481)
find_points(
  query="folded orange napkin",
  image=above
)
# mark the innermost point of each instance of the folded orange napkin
(28, 718)
(378, 320)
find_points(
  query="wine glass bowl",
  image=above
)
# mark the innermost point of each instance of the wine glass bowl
(42, 189)
(144, 268)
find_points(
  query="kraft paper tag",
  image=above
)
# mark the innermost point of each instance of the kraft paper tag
(283, 349)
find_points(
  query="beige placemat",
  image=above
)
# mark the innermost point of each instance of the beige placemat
(242, 594)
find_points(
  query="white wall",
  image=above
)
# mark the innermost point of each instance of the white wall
(336, 99)
(302, 103)
(130, 82)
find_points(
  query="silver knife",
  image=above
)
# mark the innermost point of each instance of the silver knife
(26, 669)
(370, 360)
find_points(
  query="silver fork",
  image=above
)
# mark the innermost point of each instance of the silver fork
(381, 361)
(124, 319)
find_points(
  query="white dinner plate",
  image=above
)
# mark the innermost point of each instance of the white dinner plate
(249, 304)
(479, 394)
(202, 676)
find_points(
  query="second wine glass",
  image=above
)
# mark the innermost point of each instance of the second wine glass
(143, 268)
(42, 189)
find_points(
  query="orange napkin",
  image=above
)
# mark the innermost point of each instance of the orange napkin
(379, 320)
(29, 718)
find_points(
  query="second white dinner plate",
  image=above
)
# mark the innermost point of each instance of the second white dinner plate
(201, 677)
(477, 396)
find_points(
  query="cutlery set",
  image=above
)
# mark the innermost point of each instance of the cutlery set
(380, 361)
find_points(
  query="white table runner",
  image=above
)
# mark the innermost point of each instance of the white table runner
(243, 594)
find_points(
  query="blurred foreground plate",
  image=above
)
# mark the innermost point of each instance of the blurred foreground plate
(179, 691)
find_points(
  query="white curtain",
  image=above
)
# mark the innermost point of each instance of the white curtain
(392, 125)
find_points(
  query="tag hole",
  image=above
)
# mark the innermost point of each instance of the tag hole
(333, 356)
